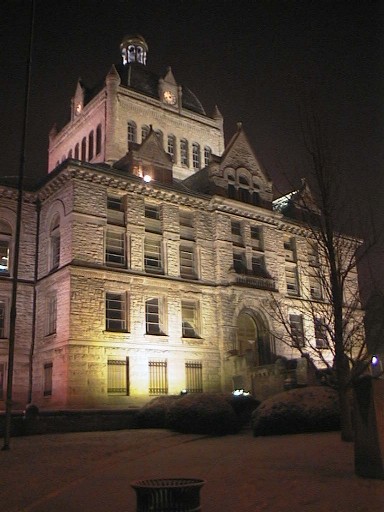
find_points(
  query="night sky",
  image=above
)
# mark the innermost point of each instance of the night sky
(255, 59)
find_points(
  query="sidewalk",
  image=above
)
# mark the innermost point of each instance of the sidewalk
(91, 472)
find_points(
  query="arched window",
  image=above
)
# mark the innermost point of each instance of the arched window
(159, 134)
(90, 145)
(54, 252)
(207, 155)
(244, 190)
(172, 147)
(70, 153)
(84, 149)
(144, 132)
(184, 152)
(196, 156)
(98, 139)
(231, 187)
(5, 247)
(77, 151)
(132, 132)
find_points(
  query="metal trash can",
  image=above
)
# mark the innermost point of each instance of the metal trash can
(168, 494)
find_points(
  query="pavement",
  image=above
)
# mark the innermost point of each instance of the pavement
(92, 472)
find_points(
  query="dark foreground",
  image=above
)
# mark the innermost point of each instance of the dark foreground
(91, 472)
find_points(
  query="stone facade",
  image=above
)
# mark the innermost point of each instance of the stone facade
(131, 288)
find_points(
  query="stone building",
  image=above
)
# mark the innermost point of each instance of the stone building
(150, 254)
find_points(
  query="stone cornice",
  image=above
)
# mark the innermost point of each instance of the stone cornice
(12, 194)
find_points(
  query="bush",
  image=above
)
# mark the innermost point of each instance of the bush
(311, 409)
(203, 413)
(154, 413)
(243, 406)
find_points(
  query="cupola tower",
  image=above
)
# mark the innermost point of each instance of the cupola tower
(134, 49)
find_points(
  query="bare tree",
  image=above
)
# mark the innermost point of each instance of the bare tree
(331, 302)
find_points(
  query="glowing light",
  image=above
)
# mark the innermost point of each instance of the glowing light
(147, 178)
(240, 392)
(183, 392)
(374, 360)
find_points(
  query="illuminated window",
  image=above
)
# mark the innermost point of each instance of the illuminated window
(5, 243)
(51, 315)
(115, 248)
(118, 377)
(131, 132)
(196, 156)
(153, 317)
(90, 146)
(115, 312)
(158, 377)
(55, 242)
(189, 313)
(297, 330)
(172, 147)
(184, 152)
(194, 376)
(47, 386)
(207, 155)
(98, 139)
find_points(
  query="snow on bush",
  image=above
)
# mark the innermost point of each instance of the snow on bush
(154, 413)
(311, 409)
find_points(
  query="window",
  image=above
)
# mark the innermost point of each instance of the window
(297, 330)
(231, 191)
(159, 135)
(131, 132)
(98, 139)
(153, 254)
(194, 376)
(256, 239)
(292, 281)
(118, 377)
(2, 381)
(189, 314)
(115, 312)
(158, 378)
(153, 324)
(55, 242)
(115, 210)
(313, 254)
(84, 149)
(289, 249)
(187, 261)
(315, 285)
(70, 153)
(236, 233)
(186, 225)
(258, 266)
(3, 313)
(239, 263)
(47, 386)
(152, 218)
(321, 333)
(51, 314)
(172, 147)
(115, 253)
(144, 132)
(207, 155)
(196, 156)
(77, 152)
(184, 152)
(90, 146)
(5, 242)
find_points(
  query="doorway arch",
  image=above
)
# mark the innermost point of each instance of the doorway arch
(253, 339)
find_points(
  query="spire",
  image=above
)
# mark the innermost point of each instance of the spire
(216, 113)
(134, 49)
(113, 76)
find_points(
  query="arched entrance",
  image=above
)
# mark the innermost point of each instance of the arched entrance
(253, 340)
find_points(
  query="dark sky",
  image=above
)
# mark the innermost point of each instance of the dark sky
(255, 59)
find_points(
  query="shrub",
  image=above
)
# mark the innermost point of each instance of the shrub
(243, 406)
(153, 414)
(203, 413)
(311, 409)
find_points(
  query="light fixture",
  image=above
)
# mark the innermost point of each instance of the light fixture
(147, 178)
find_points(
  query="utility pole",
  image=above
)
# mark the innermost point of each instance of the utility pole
(15, 269)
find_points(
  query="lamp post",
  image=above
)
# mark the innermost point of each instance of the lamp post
(15, 269)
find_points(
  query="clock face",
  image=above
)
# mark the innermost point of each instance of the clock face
(169, 97)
